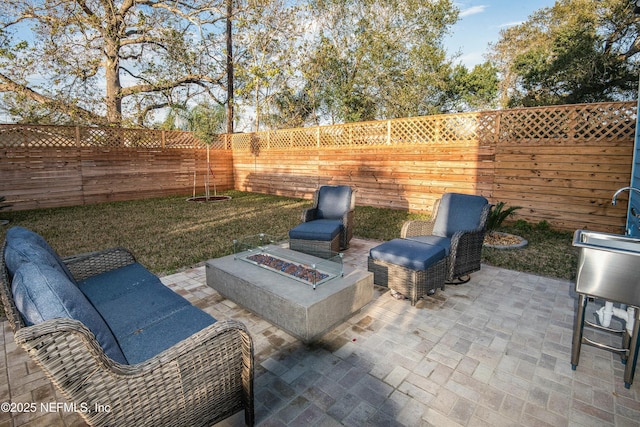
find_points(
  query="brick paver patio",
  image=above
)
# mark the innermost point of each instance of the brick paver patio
(492, 352)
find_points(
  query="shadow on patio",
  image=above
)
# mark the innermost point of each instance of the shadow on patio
(495, 351)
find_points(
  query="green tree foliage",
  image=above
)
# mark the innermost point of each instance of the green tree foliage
(378, 58)
(576, 51)
(266, 38)
(206, 121)
(292, 108)
(472, 90)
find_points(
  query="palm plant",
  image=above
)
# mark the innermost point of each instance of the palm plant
(498, 214)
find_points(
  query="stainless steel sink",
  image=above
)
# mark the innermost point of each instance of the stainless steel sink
(608, 266)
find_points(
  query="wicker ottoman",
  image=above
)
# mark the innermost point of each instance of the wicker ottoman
(320, 237)
(408, 267)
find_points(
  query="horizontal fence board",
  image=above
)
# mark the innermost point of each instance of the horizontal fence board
(46, 176)
(559, 165)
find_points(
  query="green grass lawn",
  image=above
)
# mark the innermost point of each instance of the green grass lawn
(548, 252)
(170, 234)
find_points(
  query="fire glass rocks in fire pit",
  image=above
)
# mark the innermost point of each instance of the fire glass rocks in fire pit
(299, 271)
(264, 251)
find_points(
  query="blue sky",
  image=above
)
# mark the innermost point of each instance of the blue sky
(480, 23)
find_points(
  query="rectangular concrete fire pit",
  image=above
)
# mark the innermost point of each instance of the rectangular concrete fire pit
(304, 312)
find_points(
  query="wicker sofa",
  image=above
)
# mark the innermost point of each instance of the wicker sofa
(108, 333)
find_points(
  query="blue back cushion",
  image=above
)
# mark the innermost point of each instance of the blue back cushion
(42, 293)
(334, 201)
(458, 212)
(15, 238)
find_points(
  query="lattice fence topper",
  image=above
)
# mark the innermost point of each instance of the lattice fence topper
(588, 123)
(584, 123)
(77, 136)
(37, 136)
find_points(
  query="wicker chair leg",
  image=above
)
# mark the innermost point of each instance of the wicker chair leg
(459, 280)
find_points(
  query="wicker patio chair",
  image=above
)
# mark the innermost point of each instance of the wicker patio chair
(333, 209)
(198, 381)
(458, 225)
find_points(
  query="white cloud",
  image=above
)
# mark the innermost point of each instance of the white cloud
(510, 24)
(474, 10)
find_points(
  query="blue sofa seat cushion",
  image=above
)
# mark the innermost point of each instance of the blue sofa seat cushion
(408, 253)
(23, 245)
(319, 229)
(145, 316)
(443, 242)
(334, 201)
(161, 333)
(458, 212)
(42, 292)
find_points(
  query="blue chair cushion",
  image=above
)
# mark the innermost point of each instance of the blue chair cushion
(319, 229)
(443, 242)
(333, 201)
(23, 245)
(42, 292)
(145, 316)
(408, 253)
(458, 212)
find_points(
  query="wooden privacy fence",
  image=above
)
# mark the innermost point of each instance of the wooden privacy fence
(51, 166)
(560, 163)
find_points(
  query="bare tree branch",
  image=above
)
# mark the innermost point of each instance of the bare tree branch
(72, 110)
(199, 80)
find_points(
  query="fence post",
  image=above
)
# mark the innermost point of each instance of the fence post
(162, 138)
(318, 136)
(78, 136)
(389, 132)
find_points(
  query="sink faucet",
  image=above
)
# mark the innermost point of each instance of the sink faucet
(620, 190)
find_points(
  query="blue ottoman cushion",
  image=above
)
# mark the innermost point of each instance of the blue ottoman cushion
(319, 229)
(443, 242)
(408, 253)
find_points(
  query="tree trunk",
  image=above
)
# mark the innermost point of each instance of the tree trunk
(229, 68)
(257, 102)
(112, 72)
